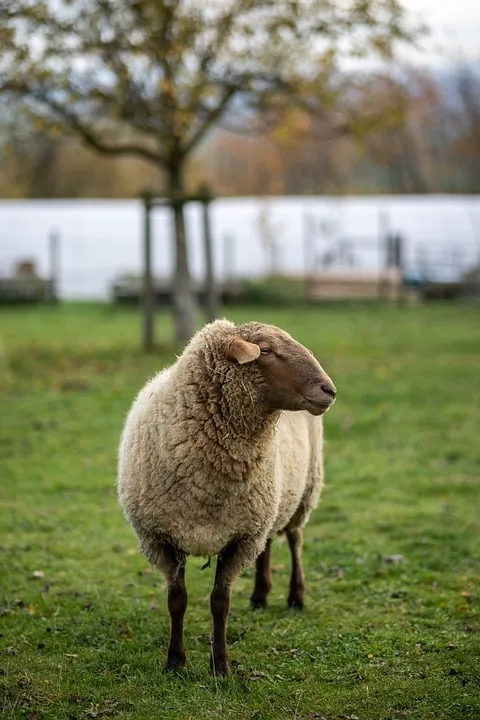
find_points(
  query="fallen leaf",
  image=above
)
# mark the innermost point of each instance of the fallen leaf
(37, 575)
(256, 675)
(108, 709)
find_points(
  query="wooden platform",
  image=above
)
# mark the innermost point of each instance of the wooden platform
(129, 290)
(355, 285)
(26, 289)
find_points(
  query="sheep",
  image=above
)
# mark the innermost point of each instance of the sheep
(212, 461)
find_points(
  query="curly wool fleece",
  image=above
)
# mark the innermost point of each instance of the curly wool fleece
(201, 462)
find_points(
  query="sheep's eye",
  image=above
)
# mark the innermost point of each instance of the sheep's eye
(265, 351)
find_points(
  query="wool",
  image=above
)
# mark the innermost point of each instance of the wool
(219, 453)
(201, 463)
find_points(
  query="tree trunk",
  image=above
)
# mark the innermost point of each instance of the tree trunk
(185, 305)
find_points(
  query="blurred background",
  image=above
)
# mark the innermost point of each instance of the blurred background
(338, 146)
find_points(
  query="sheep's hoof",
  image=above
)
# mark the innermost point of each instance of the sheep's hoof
(295, 603)
(220, 667)
(258, 603)
(175, 661)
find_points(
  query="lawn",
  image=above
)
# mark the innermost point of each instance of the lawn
(392, 555)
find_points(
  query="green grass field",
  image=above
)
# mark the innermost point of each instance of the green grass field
(84, 623)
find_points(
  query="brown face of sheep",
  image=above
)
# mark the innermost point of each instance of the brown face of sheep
(294, 379)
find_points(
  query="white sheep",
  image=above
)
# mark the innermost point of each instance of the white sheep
(211, 464)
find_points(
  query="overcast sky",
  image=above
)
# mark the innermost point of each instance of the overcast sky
(454, 26)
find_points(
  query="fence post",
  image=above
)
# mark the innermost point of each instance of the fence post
(309, 260)
(394, 260)
(211, 290)
(148, 294)
(54, 266)
(385, 249)
(228, 257)
(398, 257)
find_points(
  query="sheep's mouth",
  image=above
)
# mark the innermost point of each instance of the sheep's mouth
(318, 407)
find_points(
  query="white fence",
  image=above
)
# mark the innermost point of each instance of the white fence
(252, 236)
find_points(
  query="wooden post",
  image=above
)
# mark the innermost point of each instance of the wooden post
(54, 266)
(148, 293)
(211, 291)
(228, 257)
(309, 262)
(398, 259)
(385, 251)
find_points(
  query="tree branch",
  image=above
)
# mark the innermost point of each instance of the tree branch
(90, 138)
(212, 116)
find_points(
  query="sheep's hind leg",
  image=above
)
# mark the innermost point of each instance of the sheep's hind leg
(230, 563)
(297, 584)
(173, 566)
(263, 583)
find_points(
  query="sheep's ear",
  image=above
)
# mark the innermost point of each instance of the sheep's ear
(243, 351)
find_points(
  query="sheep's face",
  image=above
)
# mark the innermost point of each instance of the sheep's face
(287, 375)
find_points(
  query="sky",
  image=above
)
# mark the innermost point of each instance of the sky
(454, 29)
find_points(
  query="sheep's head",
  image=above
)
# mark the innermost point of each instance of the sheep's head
(287, 374)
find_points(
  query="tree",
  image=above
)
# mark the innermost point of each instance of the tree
(394, 144)
(467, 85)
(152, 77)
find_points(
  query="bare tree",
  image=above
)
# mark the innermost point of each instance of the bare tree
(152, 77)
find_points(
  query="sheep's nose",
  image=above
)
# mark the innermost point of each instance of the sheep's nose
(329, 389)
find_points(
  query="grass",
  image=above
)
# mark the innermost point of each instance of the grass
(84, 623)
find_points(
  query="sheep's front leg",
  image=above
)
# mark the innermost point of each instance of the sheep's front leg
(263, 583)
(230, 563)
(173, 566)
(297, 584)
